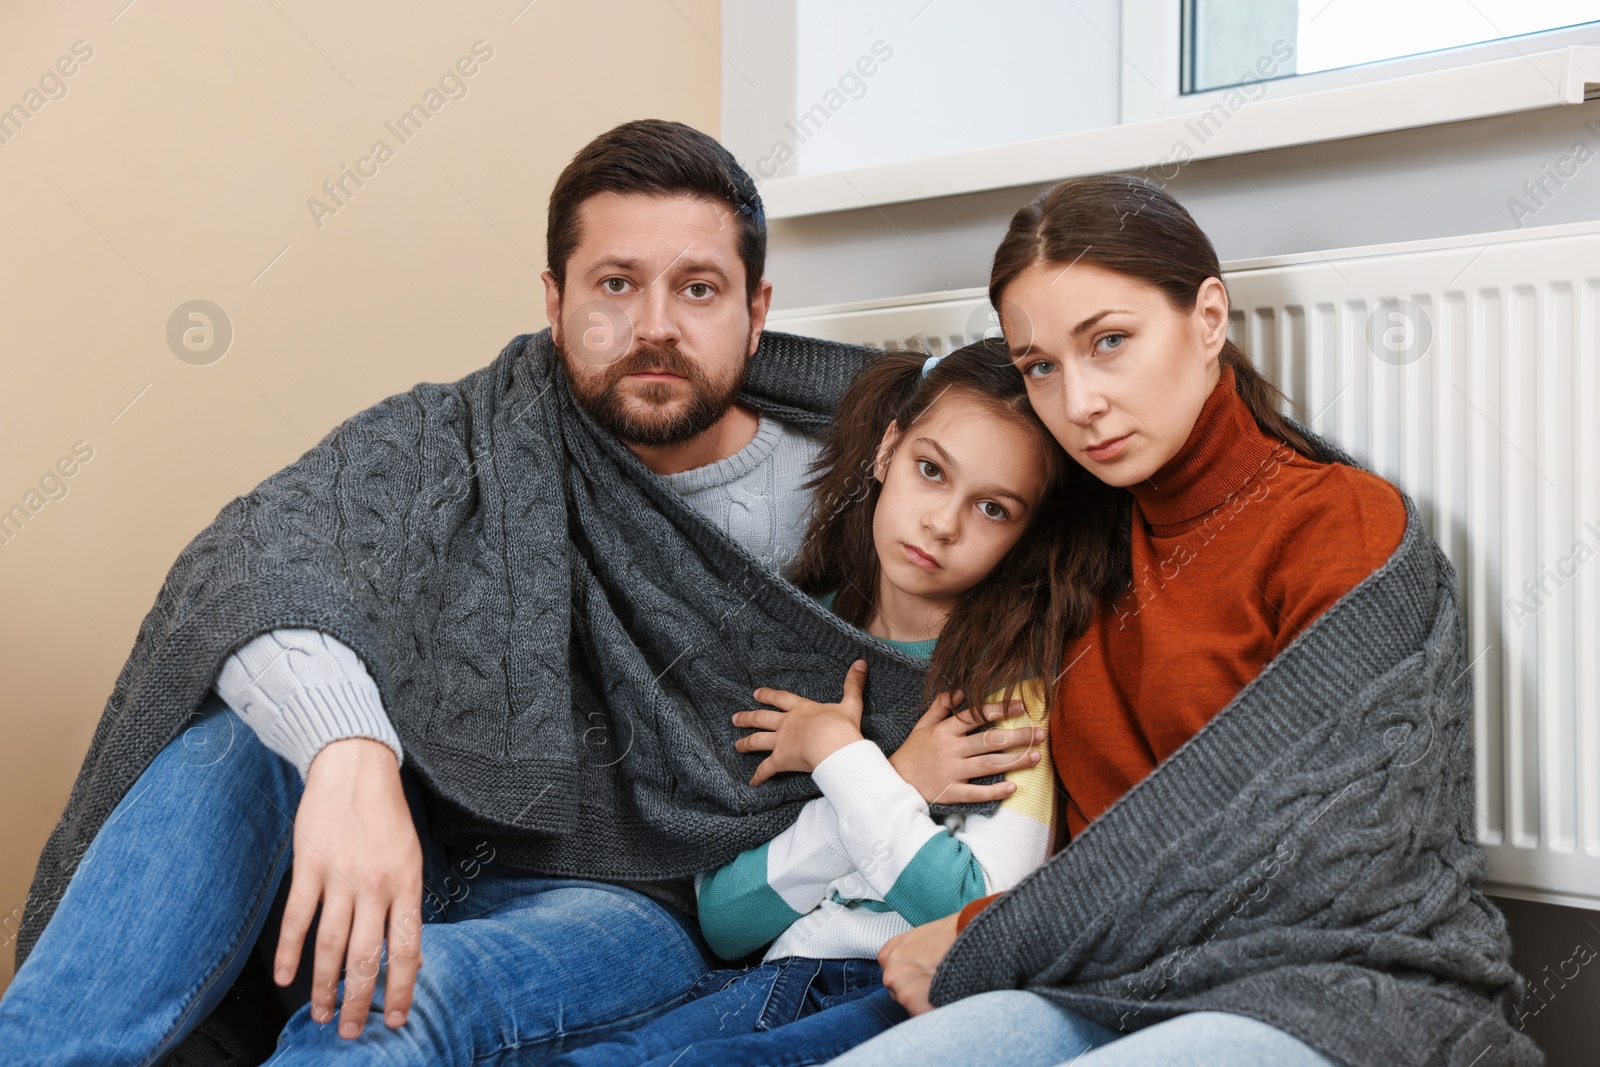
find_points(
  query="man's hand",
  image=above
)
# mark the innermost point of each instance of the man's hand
(356, 851)
(945, 751)
(804, 732)
(909, 960)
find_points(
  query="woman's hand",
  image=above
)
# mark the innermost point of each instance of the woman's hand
(909, 960)
(945, 751)
(804, 732)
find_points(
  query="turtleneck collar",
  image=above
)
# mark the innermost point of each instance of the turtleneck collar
(1224, 451)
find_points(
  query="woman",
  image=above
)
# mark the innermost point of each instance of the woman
(1263, 737)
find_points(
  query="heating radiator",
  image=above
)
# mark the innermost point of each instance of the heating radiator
(1466, 370)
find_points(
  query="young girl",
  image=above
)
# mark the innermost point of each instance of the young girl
(941, 501)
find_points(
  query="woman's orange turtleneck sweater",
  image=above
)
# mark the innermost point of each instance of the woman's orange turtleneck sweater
(1239, 543)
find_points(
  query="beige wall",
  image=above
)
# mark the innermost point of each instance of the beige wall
(177, 166)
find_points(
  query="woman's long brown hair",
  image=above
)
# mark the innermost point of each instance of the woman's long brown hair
(1131, 225)
(1014, 624)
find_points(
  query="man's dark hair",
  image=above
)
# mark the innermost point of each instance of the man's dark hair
(656, 157)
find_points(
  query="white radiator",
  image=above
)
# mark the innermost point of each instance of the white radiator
(1466, 370)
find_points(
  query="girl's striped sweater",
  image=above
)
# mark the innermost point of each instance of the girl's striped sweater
(865, 861)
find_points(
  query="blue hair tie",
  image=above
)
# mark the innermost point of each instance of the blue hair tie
(929, 363)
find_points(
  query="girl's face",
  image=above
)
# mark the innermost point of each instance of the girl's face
(1113, 369)
(958, 490)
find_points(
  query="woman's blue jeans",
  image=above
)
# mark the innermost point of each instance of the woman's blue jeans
(1022, 1029)
(165, 906)
(791, 1012)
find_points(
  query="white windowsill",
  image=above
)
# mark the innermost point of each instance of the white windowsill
(1560, 77)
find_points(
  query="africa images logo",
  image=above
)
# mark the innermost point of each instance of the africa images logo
(451, 85)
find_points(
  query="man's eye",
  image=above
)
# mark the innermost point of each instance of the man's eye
(614, 285)
(699, 289)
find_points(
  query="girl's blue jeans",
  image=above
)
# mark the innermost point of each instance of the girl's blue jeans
(790, 1012)
(166, 905)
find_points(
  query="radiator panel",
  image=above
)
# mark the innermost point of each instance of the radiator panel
(1493, 427)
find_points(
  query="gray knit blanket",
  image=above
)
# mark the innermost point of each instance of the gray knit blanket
(558, 637)
(1309, 858)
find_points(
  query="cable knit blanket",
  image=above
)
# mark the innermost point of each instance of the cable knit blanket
(558, 637)
(1309, 858)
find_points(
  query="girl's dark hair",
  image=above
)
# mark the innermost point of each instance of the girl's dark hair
(661, 158)
(1131, 225)
(1014, 624)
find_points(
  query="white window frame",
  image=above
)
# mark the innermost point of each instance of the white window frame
(1152, 42)
(1533, 71)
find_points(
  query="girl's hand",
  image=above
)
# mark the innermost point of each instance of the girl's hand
(944, 751)
(804, 732)
(909, 960)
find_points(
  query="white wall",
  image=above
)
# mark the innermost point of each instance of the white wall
(1438, 182)
(826, 85)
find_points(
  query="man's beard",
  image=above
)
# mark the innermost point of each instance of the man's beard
(606, 405)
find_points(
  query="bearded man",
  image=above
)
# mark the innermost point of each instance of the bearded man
(456, 685)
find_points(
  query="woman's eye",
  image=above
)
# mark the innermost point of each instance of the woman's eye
(614, 285)
(929, 469)
(993, 510)
(699, 290)
(1039, 369)
(1110, 342)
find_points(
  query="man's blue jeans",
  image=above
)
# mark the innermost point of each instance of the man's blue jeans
(790, 1012)
(165, 906)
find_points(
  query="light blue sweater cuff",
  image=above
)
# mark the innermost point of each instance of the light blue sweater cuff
(300, 691)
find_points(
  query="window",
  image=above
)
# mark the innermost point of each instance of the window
(1182, 56)
(1097, 85)
(1222, 39)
